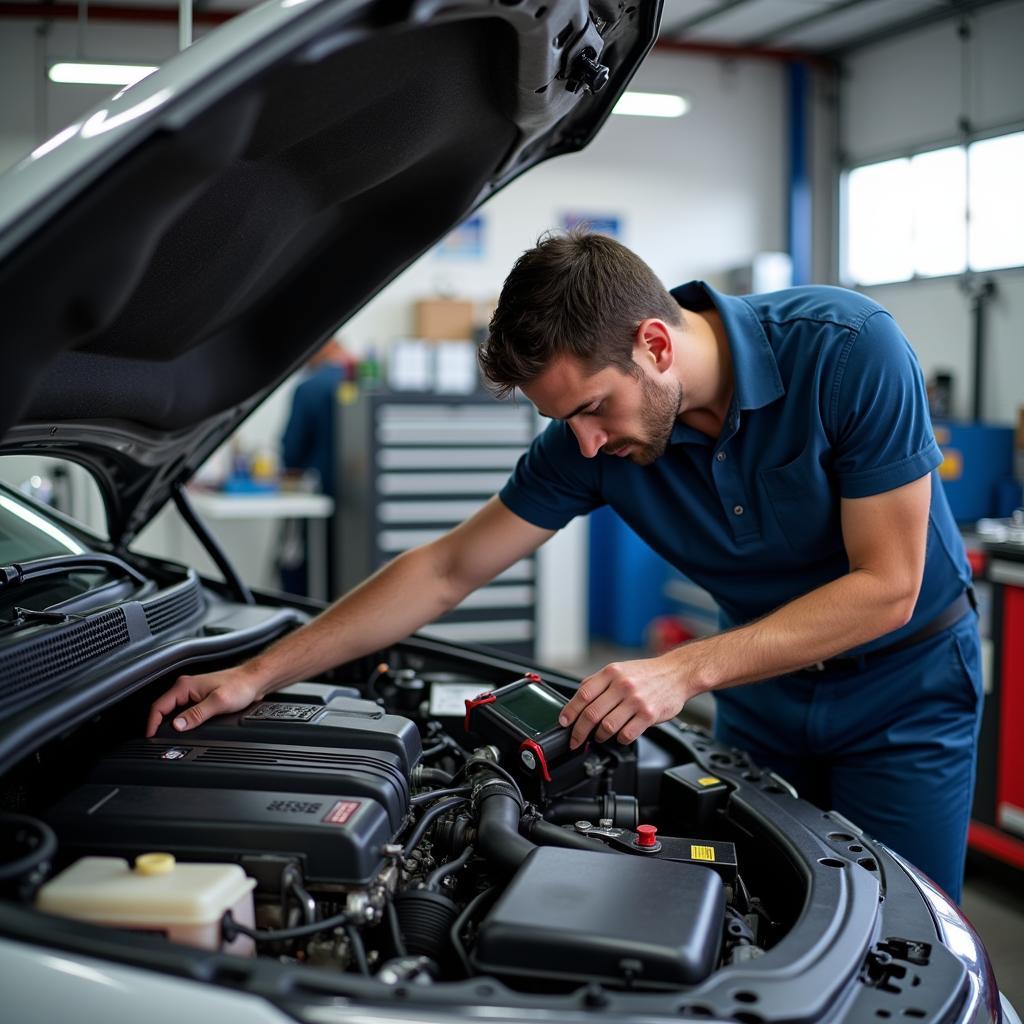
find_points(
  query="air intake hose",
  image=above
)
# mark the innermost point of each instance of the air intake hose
(425, 918)
(499, 808)
(623, 810)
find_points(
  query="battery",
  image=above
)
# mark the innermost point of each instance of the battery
(340, 722)
(710, 853)
(690, 796)
(336, 837)
(218, 764)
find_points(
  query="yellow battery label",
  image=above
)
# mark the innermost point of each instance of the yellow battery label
(708, 780)
(702, 852)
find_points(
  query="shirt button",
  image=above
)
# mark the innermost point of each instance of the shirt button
(720, 457)
(737, 510)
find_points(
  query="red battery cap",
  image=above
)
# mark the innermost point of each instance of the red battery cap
(646, 835)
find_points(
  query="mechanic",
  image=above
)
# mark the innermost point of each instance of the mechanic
(777, 449)
(310, 442)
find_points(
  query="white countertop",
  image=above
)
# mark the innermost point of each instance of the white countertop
(267, 505)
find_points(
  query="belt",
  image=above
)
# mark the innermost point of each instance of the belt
(952, 613)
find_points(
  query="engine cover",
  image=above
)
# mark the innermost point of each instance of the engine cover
(574, 915)
(340, 722)
(264, 766)
(337, 838)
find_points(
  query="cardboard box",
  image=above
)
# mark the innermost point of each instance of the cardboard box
(444, 319)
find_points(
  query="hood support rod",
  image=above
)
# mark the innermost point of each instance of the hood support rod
(212, 545)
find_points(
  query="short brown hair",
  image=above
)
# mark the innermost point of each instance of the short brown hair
(578, 294)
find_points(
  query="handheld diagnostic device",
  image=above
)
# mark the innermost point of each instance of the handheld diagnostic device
(521, 720)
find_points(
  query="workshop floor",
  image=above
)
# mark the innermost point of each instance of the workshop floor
(993, 894)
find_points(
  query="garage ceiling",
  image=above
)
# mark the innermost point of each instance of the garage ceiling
(812, 26)
(822, 27)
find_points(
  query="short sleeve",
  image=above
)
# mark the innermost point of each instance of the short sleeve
(552, 482)
(882, 429)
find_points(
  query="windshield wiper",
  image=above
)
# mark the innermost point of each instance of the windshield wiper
(38, 617)
(20, 572)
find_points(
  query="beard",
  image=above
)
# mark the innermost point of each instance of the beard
(658, 411)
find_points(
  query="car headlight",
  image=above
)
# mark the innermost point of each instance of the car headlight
(984, 1002)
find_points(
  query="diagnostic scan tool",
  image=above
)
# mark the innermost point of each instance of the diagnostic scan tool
(521, 720)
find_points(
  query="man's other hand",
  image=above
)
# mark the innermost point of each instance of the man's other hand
(625, 698)
(216, 693)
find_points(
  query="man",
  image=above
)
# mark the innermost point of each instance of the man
(309, 443)
(777, 449)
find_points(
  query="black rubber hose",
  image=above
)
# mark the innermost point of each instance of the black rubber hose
(429, 817)
(355, 942)
(435, 794)
(498, 835)
(433, 880)
(460, 923)
(230, 929)
(423, 777)
(396, 932)
(545, 834)
(622, 810)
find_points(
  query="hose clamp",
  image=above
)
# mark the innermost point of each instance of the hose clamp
(494, 786)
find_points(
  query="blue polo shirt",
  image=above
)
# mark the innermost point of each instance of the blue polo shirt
(828, 403)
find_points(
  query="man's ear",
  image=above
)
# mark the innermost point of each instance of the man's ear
(653, 341)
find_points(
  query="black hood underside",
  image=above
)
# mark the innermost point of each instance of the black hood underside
(152, 310)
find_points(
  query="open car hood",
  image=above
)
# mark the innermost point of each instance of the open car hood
(170, 259)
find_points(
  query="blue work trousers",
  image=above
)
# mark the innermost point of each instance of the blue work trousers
(891, 746)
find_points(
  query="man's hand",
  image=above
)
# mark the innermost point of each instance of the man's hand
(625, 698)
(215, 693)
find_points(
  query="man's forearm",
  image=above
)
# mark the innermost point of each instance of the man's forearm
(408, 592)
(835, 617)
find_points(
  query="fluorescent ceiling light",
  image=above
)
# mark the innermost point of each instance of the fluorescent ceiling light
(82, 73)
(651, 104)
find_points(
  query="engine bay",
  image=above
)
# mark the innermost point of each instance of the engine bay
(412, 826)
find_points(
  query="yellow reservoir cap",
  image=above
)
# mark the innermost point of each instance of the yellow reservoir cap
(155, 863)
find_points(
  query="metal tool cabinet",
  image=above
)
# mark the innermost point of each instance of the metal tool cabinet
(414, 465)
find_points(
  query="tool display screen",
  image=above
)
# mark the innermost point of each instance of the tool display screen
(535, 707)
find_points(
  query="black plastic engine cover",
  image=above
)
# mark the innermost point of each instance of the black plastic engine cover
(580, 916)
(341, 722)
(263, 766)
(337, 838)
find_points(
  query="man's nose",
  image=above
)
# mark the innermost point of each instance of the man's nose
(589, 437)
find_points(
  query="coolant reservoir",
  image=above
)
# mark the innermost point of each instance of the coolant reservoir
(184, 902)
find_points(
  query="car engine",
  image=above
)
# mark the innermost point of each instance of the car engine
(417, 828)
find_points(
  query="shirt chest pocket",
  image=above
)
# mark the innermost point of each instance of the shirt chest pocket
(804, 502)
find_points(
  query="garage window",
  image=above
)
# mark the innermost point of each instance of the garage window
(935, 213)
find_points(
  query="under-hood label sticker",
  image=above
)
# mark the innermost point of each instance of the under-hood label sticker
(278, 712)
(702, 853)
(340, 813)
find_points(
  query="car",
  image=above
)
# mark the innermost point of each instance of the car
(408, 836)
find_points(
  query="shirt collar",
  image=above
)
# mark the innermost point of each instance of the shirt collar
(756, 376)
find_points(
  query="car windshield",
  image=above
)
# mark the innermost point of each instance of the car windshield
(28, 536)
(25, 535)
